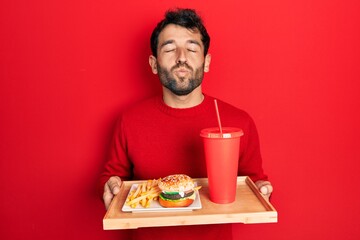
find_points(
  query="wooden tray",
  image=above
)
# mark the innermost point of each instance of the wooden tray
(250, 207)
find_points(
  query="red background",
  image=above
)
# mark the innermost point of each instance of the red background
(68, 68)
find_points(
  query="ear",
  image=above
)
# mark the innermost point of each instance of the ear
(153, 64)
(207, 63)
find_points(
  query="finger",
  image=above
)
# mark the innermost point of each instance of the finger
(264, 190)
(268, 188)
(267, 197)
(111, 187)
(114, 185)
(107, 197)
(260, 184)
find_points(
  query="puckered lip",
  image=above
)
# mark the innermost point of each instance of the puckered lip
(182, 70)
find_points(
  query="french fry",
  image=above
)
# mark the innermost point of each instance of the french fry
(148, 202)
(143, 187)
(149, 184)
(136, 193)
(143, 202)
(137, 200)
(144, 194)
(130, 194)
(154, 183)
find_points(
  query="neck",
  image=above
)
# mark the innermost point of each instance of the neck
(187, 101)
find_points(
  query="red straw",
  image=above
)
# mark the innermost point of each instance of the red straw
(218, 116)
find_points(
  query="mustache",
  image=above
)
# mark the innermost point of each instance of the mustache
(181, 64)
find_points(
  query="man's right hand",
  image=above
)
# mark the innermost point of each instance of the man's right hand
(111, 188)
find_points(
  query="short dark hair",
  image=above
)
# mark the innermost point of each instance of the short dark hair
(186, 18)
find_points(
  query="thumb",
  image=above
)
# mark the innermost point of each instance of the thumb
(266, 189)
(114, 184)
(111, 188)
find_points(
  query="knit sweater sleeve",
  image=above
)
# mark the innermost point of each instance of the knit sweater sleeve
(117, 163)
(250, 163)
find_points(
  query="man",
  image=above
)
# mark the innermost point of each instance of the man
(160, 136)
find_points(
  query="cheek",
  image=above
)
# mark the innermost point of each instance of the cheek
(167, 59)
(165, 62)
(196, 59)
(163, 67)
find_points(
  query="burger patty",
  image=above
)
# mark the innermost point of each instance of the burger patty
(176, 196)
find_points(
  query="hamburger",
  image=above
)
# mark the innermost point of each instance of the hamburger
(176, 191)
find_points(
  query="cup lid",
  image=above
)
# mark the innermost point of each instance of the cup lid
(227, 132)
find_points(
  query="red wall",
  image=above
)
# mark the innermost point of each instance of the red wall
(68, 68)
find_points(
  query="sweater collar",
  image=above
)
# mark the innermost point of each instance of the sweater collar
(200, 109)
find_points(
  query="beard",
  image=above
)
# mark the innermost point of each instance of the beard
(182, 85)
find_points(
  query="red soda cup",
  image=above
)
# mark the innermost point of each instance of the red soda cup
(222, 157)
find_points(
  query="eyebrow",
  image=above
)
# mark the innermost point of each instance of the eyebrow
(195, 42)
(167, 42)
(171, 41)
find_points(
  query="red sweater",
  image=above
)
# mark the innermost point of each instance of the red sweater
(153, 140)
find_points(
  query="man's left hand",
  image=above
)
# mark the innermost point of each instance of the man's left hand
(265, 188)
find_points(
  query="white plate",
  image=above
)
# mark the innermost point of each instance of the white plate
(156, 207)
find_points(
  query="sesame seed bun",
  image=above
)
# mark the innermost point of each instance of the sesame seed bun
(176, 183)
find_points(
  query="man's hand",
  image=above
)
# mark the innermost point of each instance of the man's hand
(265, 188)
(111, 188)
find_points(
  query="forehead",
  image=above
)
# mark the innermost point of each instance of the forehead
(179, 34)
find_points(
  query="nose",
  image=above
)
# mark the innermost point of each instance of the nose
(181, 56)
